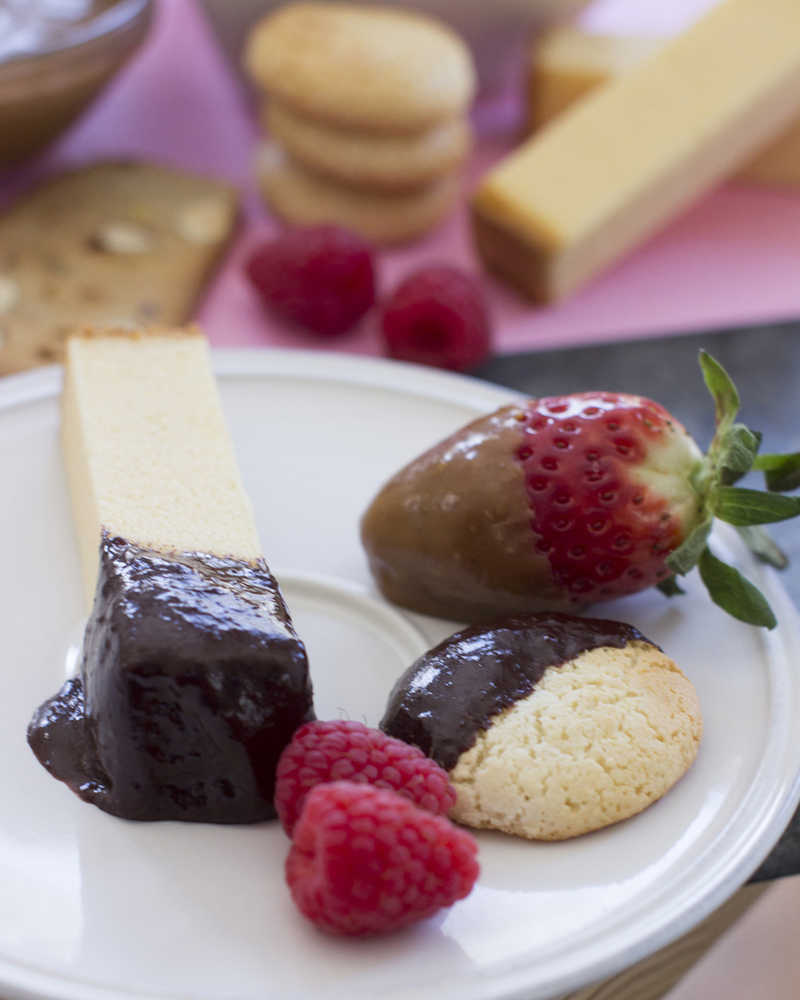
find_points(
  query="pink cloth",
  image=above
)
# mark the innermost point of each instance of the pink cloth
(732, 259)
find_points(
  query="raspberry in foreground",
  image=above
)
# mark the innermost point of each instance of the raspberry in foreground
(438, 317)
(365, 860)
(344, 750)
(321, 278)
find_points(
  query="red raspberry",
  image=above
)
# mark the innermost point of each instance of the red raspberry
(366, 860)
(438, 317)
(342, 750)
(321, 278)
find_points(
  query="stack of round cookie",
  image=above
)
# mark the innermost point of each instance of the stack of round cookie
(367, 112)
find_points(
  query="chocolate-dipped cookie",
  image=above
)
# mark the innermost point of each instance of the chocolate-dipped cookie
(550, 726)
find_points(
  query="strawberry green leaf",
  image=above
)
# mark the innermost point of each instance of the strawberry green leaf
(670, 587)
(741, 507)
(737, 451)
(781, 472)
(762, 545)
(729, 589)
(686, 555)
(721, 387)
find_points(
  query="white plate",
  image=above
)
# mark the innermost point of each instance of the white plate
(94, 907)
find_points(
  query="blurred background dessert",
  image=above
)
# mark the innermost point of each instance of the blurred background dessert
(367, 109)
(492, 28)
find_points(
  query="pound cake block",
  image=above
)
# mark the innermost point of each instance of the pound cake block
(568, 63)
(620, 163)
(147, 452)
(114, 244)
(549, 726)
(192, 678)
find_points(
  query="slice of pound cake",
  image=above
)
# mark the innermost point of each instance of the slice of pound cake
(192, 679)
(550, 726)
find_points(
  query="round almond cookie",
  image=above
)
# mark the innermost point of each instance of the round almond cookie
(367, 160)
(362, 66)
(550, 726)
(304, 198)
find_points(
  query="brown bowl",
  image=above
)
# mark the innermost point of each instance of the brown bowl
(43, 92)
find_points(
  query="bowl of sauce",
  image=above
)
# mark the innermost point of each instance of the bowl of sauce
(56, 56)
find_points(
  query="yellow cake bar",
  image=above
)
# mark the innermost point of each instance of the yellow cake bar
(147, 451)
(619, 164)
(570, 62)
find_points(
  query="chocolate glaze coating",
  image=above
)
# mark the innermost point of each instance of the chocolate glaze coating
(445, 538)
(192, 681)
(451, 693)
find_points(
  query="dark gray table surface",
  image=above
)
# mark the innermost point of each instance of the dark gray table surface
(765, 365)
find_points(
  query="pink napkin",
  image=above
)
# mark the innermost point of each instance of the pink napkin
(733, 259)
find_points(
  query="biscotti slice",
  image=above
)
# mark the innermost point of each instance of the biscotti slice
(622, 162)
(192, 678)
(122, 244)
(549, 726)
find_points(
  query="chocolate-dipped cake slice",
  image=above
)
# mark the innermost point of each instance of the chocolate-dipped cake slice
(192, 678)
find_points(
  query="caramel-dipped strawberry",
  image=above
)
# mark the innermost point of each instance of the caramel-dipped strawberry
(565, 501)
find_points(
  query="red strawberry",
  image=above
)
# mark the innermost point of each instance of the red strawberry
(561, 502)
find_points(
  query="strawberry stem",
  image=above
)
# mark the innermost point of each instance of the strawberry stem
(723, 392)
(762, 545)
(670, 587)
(733, 593)
(781, 472)
(732, 453)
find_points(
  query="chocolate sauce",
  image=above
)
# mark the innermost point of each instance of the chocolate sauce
(192, 681)
(450, 695)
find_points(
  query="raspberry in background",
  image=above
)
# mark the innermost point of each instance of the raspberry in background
(321, 278)
(345, 750)
(438, 316)
(365, 860)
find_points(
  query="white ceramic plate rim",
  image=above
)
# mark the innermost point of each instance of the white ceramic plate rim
(767, 808)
